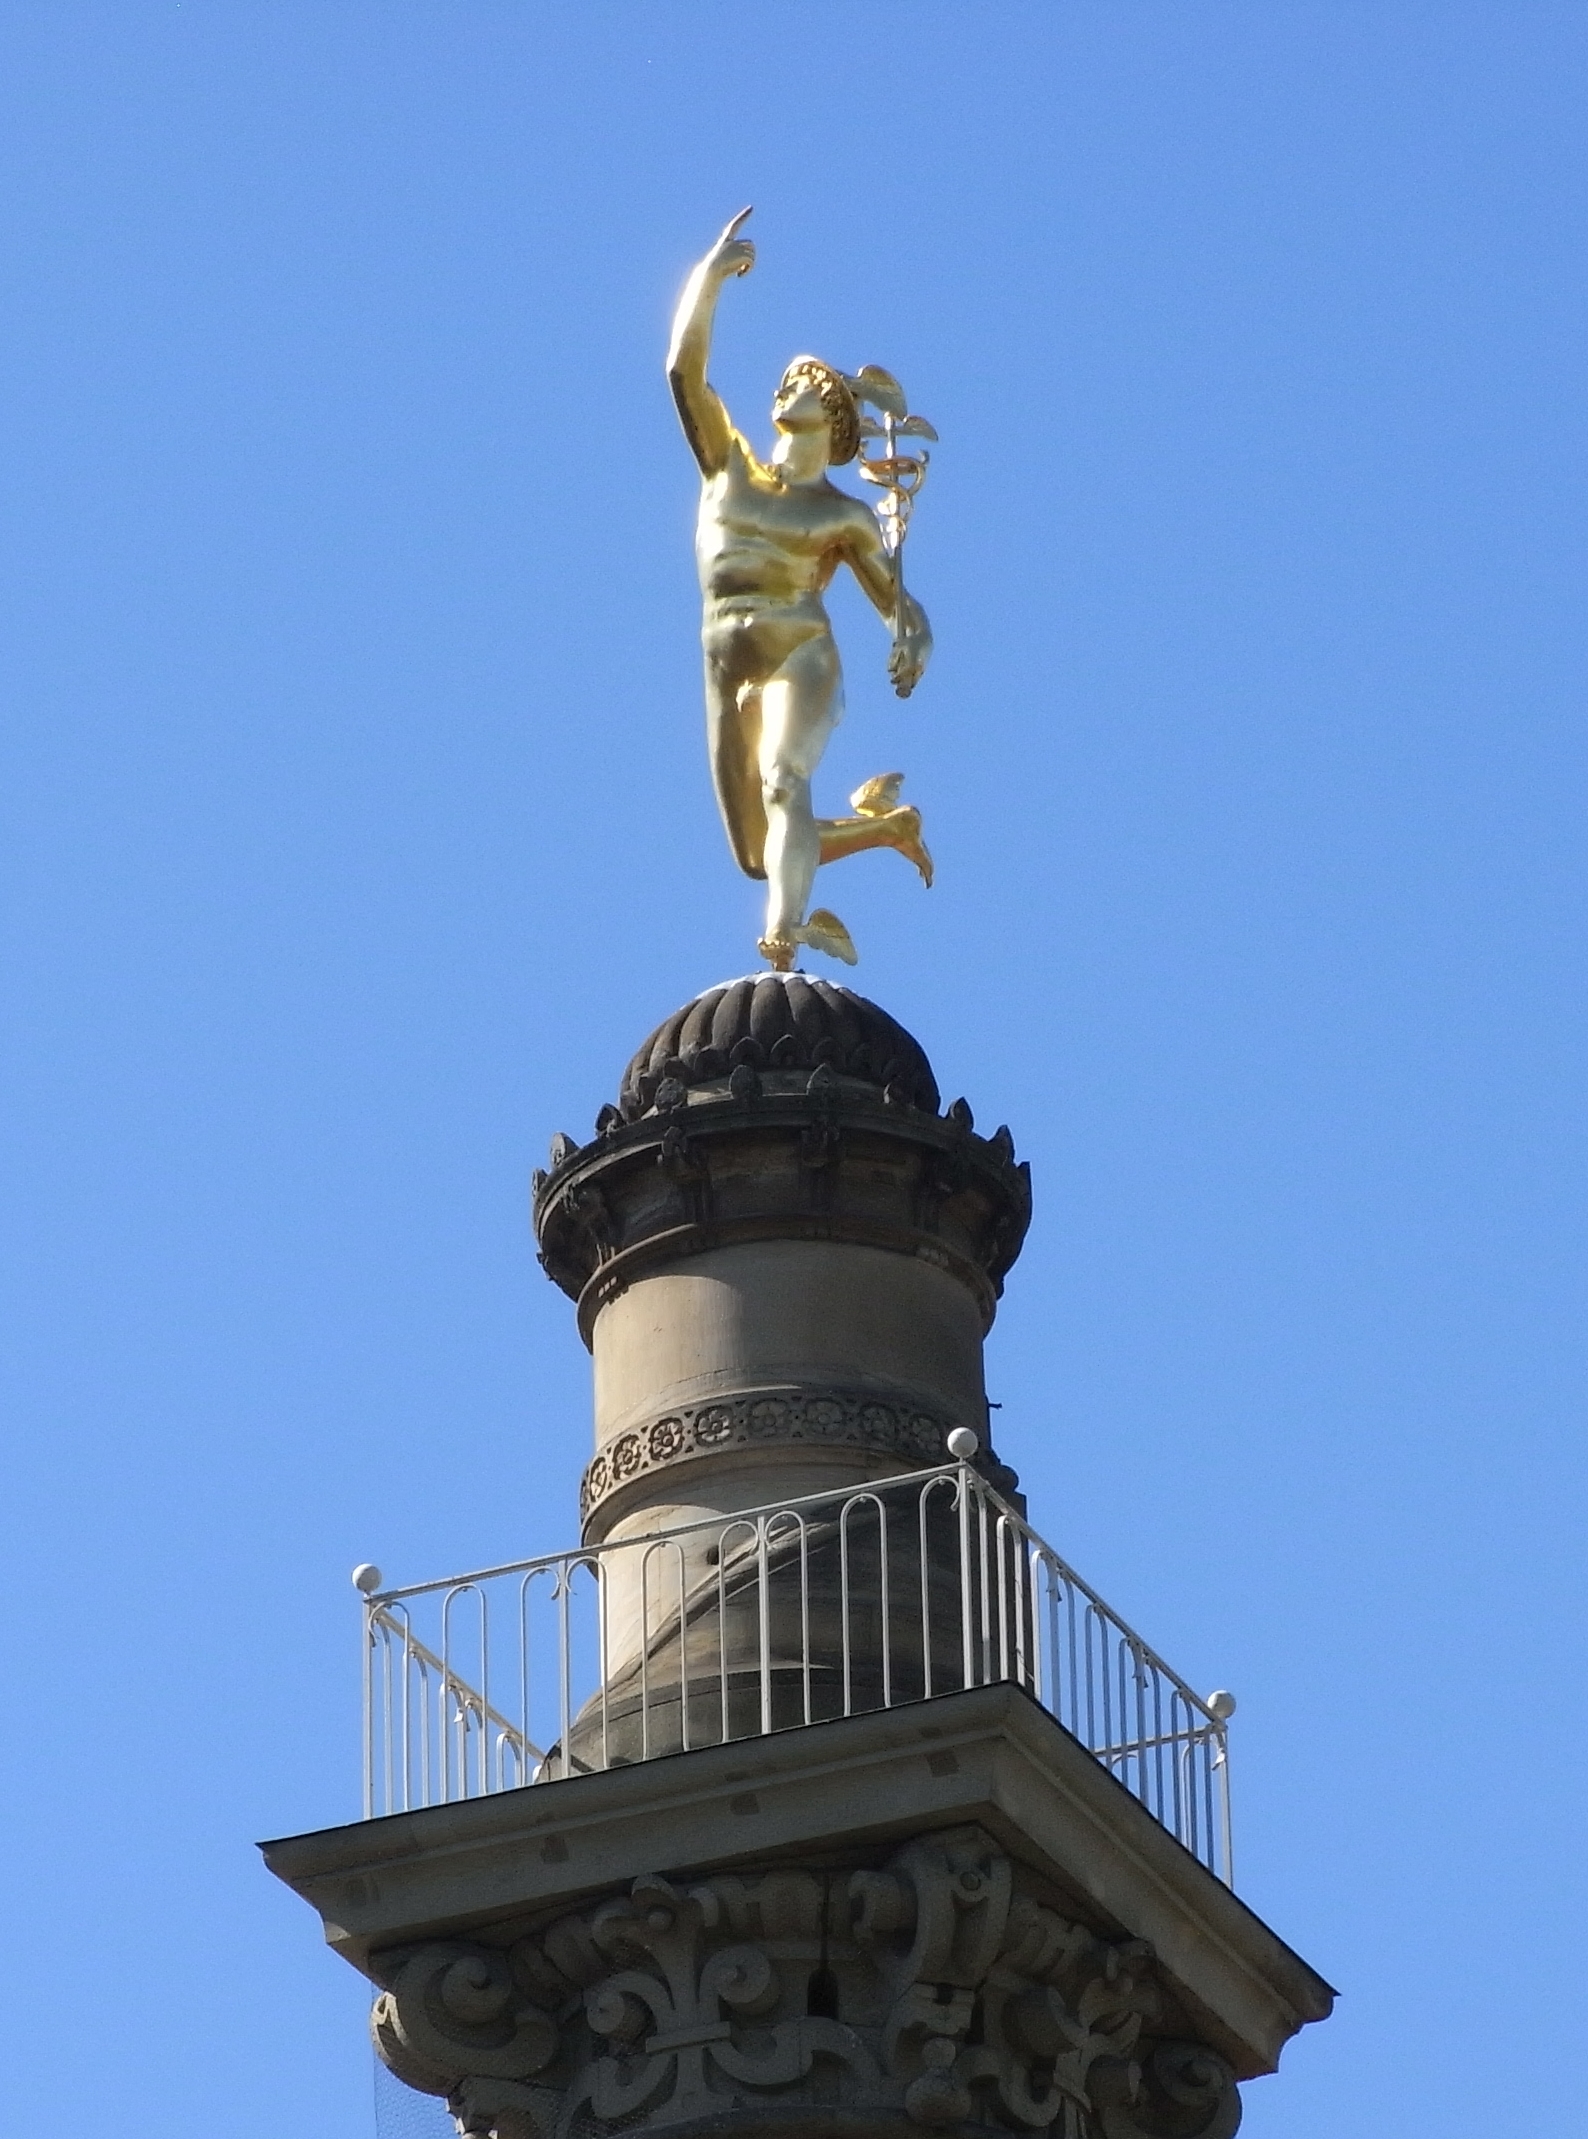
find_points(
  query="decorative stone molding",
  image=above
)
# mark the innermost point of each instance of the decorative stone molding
(1179, 2091)
(778, 1021)
(791, 1156)
(935, 1990)
(778, 1417)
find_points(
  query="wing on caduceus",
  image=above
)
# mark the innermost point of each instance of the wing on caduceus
(898, 475)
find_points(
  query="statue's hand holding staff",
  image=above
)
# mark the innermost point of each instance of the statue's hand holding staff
(912, 644)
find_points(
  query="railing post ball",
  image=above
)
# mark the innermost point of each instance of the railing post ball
(963, 1444)
(366, 1578)
(1221, 1704)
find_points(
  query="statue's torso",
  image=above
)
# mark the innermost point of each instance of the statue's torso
(760, 544)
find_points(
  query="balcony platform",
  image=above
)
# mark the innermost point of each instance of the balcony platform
(828, 1796)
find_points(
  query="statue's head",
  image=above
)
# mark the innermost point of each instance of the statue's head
(810, 393)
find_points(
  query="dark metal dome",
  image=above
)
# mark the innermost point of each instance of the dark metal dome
(780, 1021)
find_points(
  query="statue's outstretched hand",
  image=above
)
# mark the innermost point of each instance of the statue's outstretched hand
(732, 255)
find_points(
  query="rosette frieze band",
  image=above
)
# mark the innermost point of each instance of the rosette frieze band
(938, 1988)
(913, 1438)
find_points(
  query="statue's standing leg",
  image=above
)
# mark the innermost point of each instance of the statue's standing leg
(733, 744)
(800, 706)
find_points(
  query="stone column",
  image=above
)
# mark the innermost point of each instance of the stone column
(785, 1260)
(923, 1916)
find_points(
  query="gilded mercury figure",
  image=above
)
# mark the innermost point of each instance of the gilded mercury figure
(770, 536)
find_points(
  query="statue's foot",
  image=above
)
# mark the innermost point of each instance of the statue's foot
(879, 800)
(823, 931)
(910, 843)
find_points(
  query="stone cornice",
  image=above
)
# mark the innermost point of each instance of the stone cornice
(779, 1156)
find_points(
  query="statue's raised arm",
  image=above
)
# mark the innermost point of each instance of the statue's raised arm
(769, 537)
(700, 411)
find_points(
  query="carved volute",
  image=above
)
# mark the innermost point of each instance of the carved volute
(936, 1990)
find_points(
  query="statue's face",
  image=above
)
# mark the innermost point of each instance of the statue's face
(798, 407)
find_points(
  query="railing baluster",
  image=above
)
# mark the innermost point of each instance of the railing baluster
(722, 1627)
(683, 1645)
(524, 1588)
(1049, 1689)
(370, 1632)
(1003, 1574)
(1226, 1870)
(1163, 1753)
(926, 1595)
(415, 1666)
(843, 1603)
(1075, 1671)
(763, 1623)
(603, 1665)
(986, 1597)
(964, 1476)
(1089, 1736)
(1024, 1641)
(445, 1697)
(805, 1613)
(645, 1651)
(884, 1555)
(564, 1665)
(752, 1531)
(483, 1766)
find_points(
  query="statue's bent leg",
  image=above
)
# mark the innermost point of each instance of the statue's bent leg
(899, 828)
(800, 706)
(880, 820)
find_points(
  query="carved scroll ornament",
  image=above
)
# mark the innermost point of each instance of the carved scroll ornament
(934, 1991)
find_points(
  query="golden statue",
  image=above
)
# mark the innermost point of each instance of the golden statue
(770, 536)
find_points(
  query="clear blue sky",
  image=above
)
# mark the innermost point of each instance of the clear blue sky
(354, 827)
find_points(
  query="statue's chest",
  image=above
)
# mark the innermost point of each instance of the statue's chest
(802, 521)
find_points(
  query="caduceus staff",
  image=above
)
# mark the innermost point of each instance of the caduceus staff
(899, 475)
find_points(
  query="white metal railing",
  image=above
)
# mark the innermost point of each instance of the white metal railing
(779, 1616)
